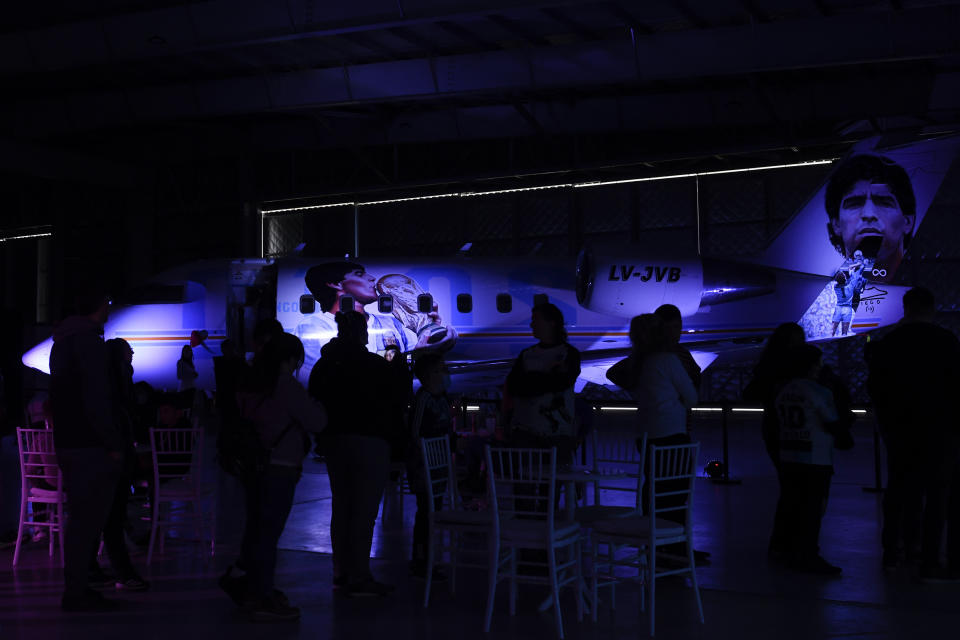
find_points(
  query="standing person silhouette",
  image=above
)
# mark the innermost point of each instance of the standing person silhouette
(363, 395)
(912, 381)
(89, 444)
(541, 386)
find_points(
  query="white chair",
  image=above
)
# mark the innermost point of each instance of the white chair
(38, 463)
(613, 459)
(522, 490)
(440, 479)
(177, 480)
(672, 474)
(617, 456)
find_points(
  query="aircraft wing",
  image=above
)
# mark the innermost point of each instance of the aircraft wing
(487, 374)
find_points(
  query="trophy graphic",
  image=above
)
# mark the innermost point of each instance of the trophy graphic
(405, 292)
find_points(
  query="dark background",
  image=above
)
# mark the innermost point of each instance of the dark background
(143, 134)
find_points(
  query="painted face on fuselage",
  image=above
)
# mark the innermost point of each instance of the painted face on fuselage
(359, 284)
(872, 210)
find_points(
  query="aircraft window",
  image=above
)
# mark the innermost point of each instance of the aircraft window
(504, 303)
(153, 294)
(540, 298)
(385, 304)
(307, 304)
(464, 302)
(424, 303)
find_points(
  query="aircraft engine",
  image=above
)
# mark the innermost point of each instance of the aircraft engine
(627, 286)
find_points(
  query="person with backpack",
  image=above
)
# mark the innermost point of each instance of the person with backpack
(281, 413)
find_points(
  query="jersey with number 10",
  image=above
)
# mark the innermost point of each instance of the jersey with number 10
(804, 407)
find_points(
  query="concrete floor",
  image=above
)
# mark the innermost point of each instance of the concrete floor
(744, 597)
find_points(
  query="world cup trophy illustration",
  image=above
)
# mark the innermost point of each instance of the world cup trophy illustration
(405, 292)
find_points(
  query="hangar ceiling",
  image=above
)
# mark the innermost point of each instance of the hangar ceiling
(284, 98)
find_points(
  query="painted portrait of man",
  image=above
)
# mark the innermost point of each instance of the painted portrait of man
(871, 208)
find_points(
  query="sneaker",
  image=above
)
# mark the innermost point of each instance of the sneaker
(89, 601)
(134, 583)
(100, 579)
(939, 575)
(234, 586)
(274, 609)
(816, 565)
(368, 589)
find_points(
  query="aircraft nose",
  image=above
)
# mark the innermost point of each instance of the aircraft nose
(39, 356)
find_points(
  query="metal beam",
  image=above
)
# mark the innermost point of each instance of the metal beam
(518, 30)
(628, 19)
(690, 15)
(368, 43)
(466, 35)
(409, 35)
(925, 33)
(563, 19)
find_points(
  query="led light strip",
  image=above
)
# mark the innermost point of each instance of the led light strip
(703, 409)
(573, 185)
(603, 183)
(26, 237)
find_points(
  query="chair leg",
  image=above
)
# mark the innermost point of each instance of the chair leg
(555, 589)
(611, 556)
(60, 534)
(513, 581)
(454, 551)
(693, 578)
(20, 528)
(595, 578)
(431, 540)
(580, 586)
(213, 527)
(492, 575)
(49, 510)
(155, 512)
(652, 584)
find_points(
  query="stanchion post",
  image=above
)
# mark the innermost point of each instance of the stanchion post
(725, 478)
(877, 464)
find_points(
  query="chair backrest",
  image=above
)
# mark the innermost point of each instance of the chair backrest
(673, 470)
(439, 475)
(618, 453)
(38, 458)
(177, 454)
(522, 483)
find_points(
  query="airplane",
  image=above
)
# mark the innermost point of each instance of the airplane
(477, 310)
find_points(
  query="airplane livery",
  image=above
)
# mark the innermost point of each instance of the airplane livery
(828, 269)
